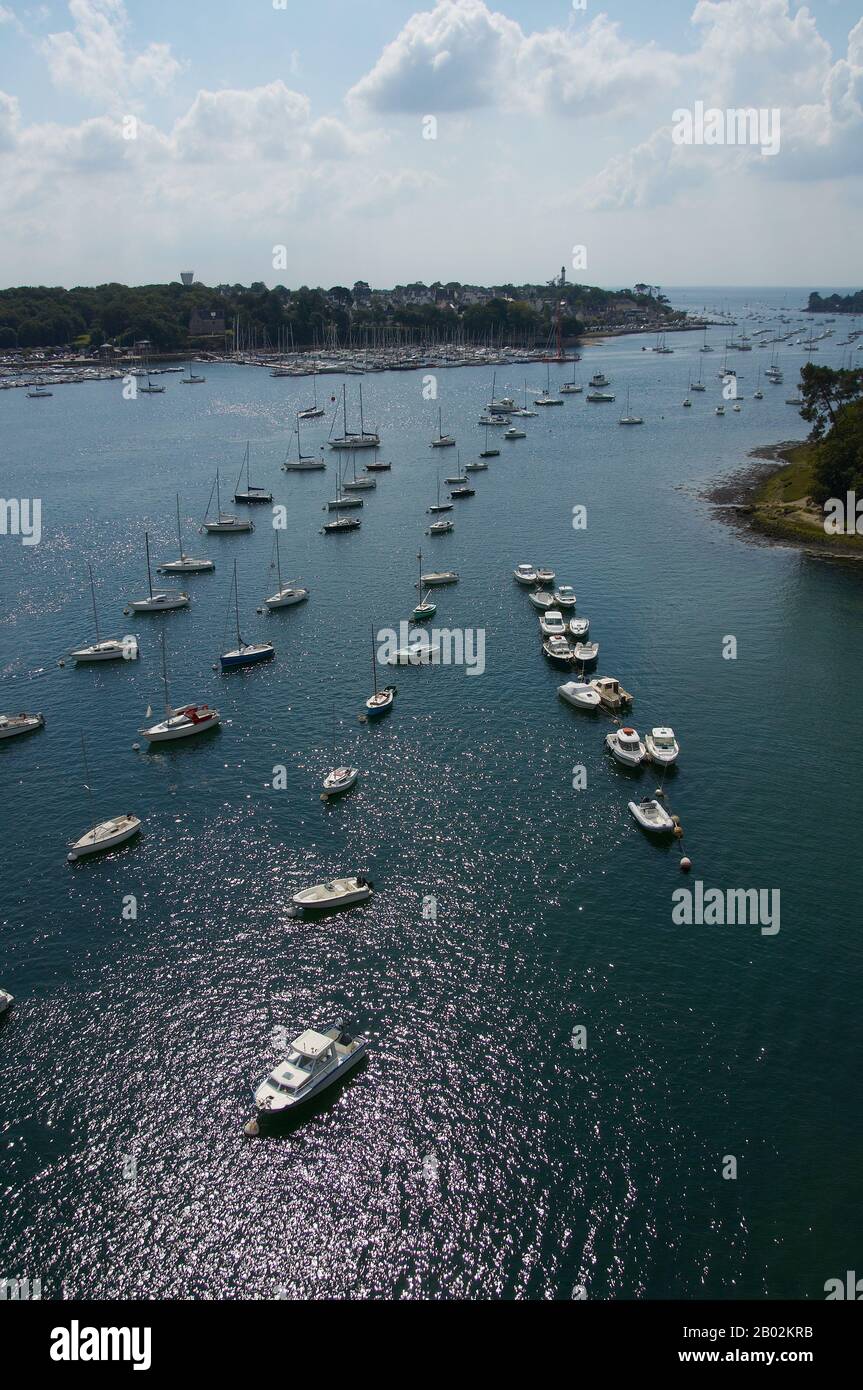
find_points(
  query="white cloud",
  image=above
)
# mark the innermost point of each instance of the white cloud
(93, 59)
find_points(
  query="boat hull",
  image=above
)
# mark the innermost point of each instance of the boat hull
(247, 656)
(178, 727)
(103, 837)
(21, 724)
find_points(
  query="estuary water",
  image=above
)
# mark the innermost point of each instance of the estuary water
(482, 1152)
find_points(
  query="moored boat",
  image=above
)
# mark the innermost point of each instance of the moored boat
(13, 724)
(652, 816)
(626, 747)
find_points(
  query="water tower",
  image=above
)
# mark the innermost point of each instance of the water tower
(187, 276)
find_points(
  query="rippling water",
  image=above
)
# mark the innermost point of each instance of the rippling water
(478, 1154)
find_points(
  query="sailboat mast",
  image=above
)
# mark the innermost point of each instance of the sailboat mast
(93, 596)
(179, 532)
(278, 563)
(237, 606)
(374, 664)
(149, 572)
(168, 710)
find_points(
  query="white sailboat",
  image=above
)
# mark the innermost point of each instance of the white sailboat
(225, 522)
(192, 379)
(287, 594)
(443, 441)
(106, 834)
(628, 419)
(338, 779)
(182, 722)
(303, 463)
(186, 564)
(366, 439)
(105, 649)
(157, 601)
(424, 608)
(312, 412)
(245, 653)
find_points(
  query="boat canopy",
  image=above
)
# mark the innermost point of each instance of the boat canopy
(311, 1043)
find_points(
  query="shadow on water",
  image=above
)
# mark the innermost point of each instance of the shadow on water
(283, 1126)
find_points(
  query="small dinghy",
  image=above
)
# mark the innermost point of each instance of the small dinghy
(341, 779)
(626, 747)
(558, 650)
(652, 816)
(13, 724)
(104, 836)
(541, 599)
(338, 892)
(579, 627)
(315, 1062)
(662, 747)
(565, 596)
(551, 624)
(420, 654)
(586, 651)
(524, 574)
(579, 694)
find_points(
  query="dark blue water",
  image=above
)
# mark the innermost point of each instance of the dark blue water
(479, 1154)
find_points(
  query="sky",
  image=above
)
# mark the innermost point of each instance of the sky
(323, 141)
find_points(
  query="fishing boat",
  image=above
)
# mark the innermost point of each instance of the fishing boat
(579, 694)
(303, 463)
(626, 747)
(339, 779)
(186, 564)
(250, 495)
(579, 627)
(424, 608)
(598, 380)
(192, 379)
(287, 594)
(182, 722)
(224, 522)
(437, 577)
(107, 833)
(39, 393)
(720, 410)
(525, 574)
(611, 693)
(565, 596)
(13, 724)
(662, 747)
(363, 483)
(440, 528)
(558, 650)
(651, 816)
(443, 441)
(157, 601)
(316, 1060)
(628, 419)
(366, 439)
(541, 599)
(382, 700)
(340, 525)
(544, 575)
(551, 623)
(312, 412)
(245, 653)
(513, 433)
(105, 649)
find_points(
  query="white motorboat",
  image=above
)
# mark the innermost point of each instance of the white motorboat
(303, 463)
(662, 747)
(558, 650)
(478, 466)
(586, 651)
(541, 599)
(581, 695)
(225, 522)
(315, 1062)
(14, 724)
(599, 379)
(287, 594)
(551, 623)
(525, 574)
(105, 835)
(186, 563)
(438, 577)
(652, 816)
(611, 693)
(626, 747)
(594, 396)
(441, 528)
(108, 648)
(6, 1000)
(422, 653)
(339, 780)
(157, 601)
(720, 410)
(338, 892)
(544, 575)
(565, 596)
(579, 627)
(513, 433)
(182, 722)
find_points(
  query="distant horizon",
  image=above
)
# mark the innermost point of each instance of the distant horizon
(803, 288)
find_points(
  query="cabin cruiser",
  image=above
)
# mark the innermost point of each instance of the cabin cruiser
(586, 651)
(160, 602)
(315, 1061)
(557, 649)
(599, 379)
(579, 627)
(342, 523)
(541, 599)
(626, 747)
(652, 816)
(104, 836)
(551, 624)
(513, 433)
(599, 396)
(439, 577)
(182, 723)
(544, 575)
(12, 724)
(441, 528)
(662, 747)
(525, 574)
(338, 892)
(565, 596)
(611, 693)
(579, 694)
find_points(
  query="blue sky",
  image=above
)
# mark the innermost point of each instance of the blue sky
(303, 127)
